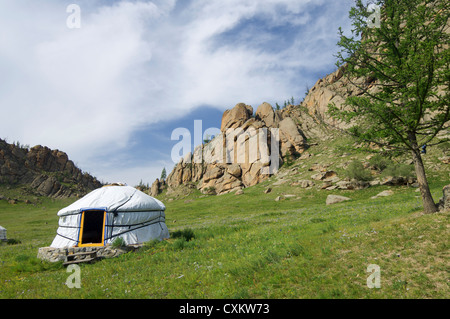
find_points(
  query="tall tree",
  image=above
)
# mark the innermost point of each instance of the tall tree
(401, 67)
(163, 174)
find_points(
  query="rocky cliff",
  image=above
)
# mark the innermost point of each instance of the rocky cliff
(297, 125)
(47, 172)
(218, 172)
(235, 159)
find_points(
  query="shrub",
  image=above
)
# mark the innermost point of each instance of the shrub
(183, 239)
(288, 159)
(118, 242)
(12, 241)
(444, 147)
(187, 234)
(399, 170)
(356, 170)
(379, 162)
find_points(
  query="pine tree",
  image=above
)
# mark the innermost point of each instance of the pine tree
(163, 174)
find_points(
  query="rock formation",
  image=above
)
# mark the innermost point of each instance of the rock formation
(226, 164)
(235, 159)
(47, 172)
(223, 165)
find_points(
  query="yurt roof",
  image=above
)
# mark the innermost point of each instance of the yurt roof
(115, 198)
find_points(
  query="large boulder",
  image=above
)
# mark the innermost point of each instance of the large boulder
(228, 183)
(236, 117)
(265, 113)
(444, 203)
(155, 189)
(292, 140)
(383, 194)
(334, 199)
(213, 173)
(326, 176)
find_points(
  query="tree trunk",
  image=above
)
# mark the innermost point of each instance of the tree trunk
(428, 203)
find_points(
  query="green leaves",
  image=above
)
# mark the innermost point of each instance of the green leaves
(402, 69)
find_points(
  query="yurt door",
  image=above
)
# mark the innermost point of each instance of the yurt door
(92, 231)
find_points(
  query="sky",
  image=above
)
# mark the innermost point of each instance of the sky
(110, 89)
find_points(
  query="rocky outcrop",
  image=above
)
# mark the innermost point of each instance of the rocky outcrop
(155, 189)
(295, 123)
(236, 117)
(232, 167)
(47, 172)
(236, 158)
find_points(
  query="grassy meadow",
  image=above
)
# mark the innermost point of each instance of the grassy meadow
(250, 246)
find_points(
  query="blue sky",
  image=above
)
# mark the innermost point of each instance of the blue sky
(111, 93)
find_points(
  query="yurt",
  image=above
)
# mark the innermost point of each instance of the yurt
(3, 233)
(108, 213)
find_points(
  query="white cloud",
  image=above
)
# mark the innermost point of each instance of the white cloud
(134, 63)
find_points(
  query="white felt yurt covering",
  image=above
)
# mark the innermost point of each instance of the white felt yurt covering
(2, 233)
(108, 213)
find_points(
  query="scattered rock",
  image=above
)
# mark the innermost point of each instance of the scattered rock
(326, 185)
(280, 182)
(383, 194)
(334, 199)
(325, 176)
(397, 181)
(268, 190)
(445, 159)
(304, 183)
(375, 182)
(305, 155)
(352, 185)
(319, 167)
(239, 192)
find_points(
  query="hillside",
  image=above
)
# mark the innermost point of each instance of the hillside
(282, 243)
(300, 127)
(42, 171)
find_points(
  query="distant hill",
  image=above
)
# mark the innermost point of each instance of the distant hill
(44, 171)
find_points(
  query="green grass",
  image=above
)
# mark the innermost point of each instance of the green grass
(250, 246)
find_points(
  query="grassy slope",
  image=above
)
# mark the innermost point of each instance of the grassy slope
(251, 246)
